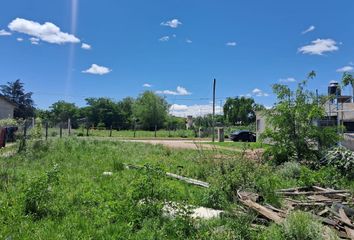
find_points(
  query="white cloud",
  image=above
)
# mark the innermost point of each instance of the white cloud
(34, 41)
(309, 29)
(231, 44)
(19, 39)
(287, 80)
(147, 85)
(188, 41)
(179, 91)
(345, 69)
(319, 46)
(164, 39)
(96, 69)
(47, 32)
(259, 93)
(86, 46)
(172, 23)
(4, 33)
(193, 110)
(351, 63)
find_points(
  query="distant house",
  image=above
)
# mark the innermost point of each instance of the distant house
(7, 108)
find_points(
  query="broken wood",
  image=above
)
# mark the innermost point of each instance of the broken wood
(260, 209)
(175, 176)
(188, 180)
(344, 217)
(327, 192)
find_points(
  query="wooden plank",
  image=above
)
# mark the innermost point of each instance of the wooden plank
(175, 176)
(189, 180)
(344, 217)
(328, 192)
(326, 189)
(271, 215)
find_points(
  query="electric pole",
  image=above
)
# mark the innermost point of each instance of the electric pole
(213, 118)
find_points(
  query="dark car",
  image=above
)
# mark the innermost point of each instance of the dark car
(244, 136)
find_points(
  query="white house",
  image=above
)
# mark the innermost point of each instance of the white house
(6, 108)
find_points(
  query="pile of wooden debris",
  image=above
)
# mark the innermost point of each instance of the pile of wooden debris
(331, 207)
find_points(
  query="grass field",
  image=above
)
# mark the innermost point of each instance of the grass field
(57, 190)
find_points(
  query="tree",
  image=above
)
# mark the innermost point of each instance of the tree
(104, 112)
(15, 92)
(61, 111)
(151, 110)
(126, 108)
(293, 125)
(241, 110)
(348, 79)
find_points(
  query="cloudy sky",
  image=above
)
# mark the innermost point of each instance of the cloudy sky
(72, 49)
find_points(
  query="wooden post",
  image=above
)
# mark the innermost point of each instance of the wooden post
(69, 126)
(87, 131)
(213, 118)
(25, 132)
(110, 132)
(134, 127)
(61, 130)
(155, 130)
(46, 130)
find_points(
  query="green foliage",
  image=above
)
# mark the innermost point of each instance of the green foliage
(15, 92)
(39, 193)
(151, 110)
(106, 112)
(290, 170)
(241, 110)
(348, 79)
(292, 128)
(37, 130)
(8, 122)
(214, 198)
(297, 226)
(342, 159)
(61, 111)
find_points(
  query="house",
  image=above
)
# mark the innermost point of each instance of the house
(7, 108)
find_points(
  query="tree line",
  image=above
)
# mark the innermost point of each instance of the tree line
(148, 111)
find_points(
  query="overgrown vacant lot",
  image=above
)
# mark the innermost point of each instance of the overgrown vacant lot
(57, 190)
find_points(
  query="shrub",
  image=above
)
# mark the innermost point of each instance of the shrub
(214, 198)
(118, 165)
(342, 159)
(297, 226)
(39, 194)
(290, 170)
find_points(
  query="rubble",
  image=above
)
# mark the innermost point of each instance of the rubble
(329, 206)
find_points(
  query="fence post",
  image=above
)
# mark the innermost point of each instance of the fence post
(61, 130)
(69, 126)
(155, 130)
(46, 130)
(134, 127)
(87, 131)
(110, 132)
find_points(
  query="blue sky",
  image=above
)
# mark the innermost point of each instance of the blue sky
(176, 47)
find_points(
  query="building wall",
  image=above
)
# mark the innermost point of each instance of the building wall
(6, 109)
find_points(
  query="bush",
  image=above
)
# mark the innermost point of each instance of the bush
(297, 226)
(39, 194)
(214, 198)
(342, 159)
(290, 170)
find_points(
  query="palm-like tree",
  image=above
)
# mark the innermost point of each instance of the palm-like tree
(348, 79)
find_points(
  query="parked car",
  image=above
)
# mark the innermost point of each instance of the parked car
(243, 135)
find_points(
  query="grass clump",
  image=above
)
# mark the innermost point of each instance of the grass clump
(297, 226)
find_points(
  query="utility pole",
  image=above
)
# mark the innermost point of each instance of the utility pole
(213, 118)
